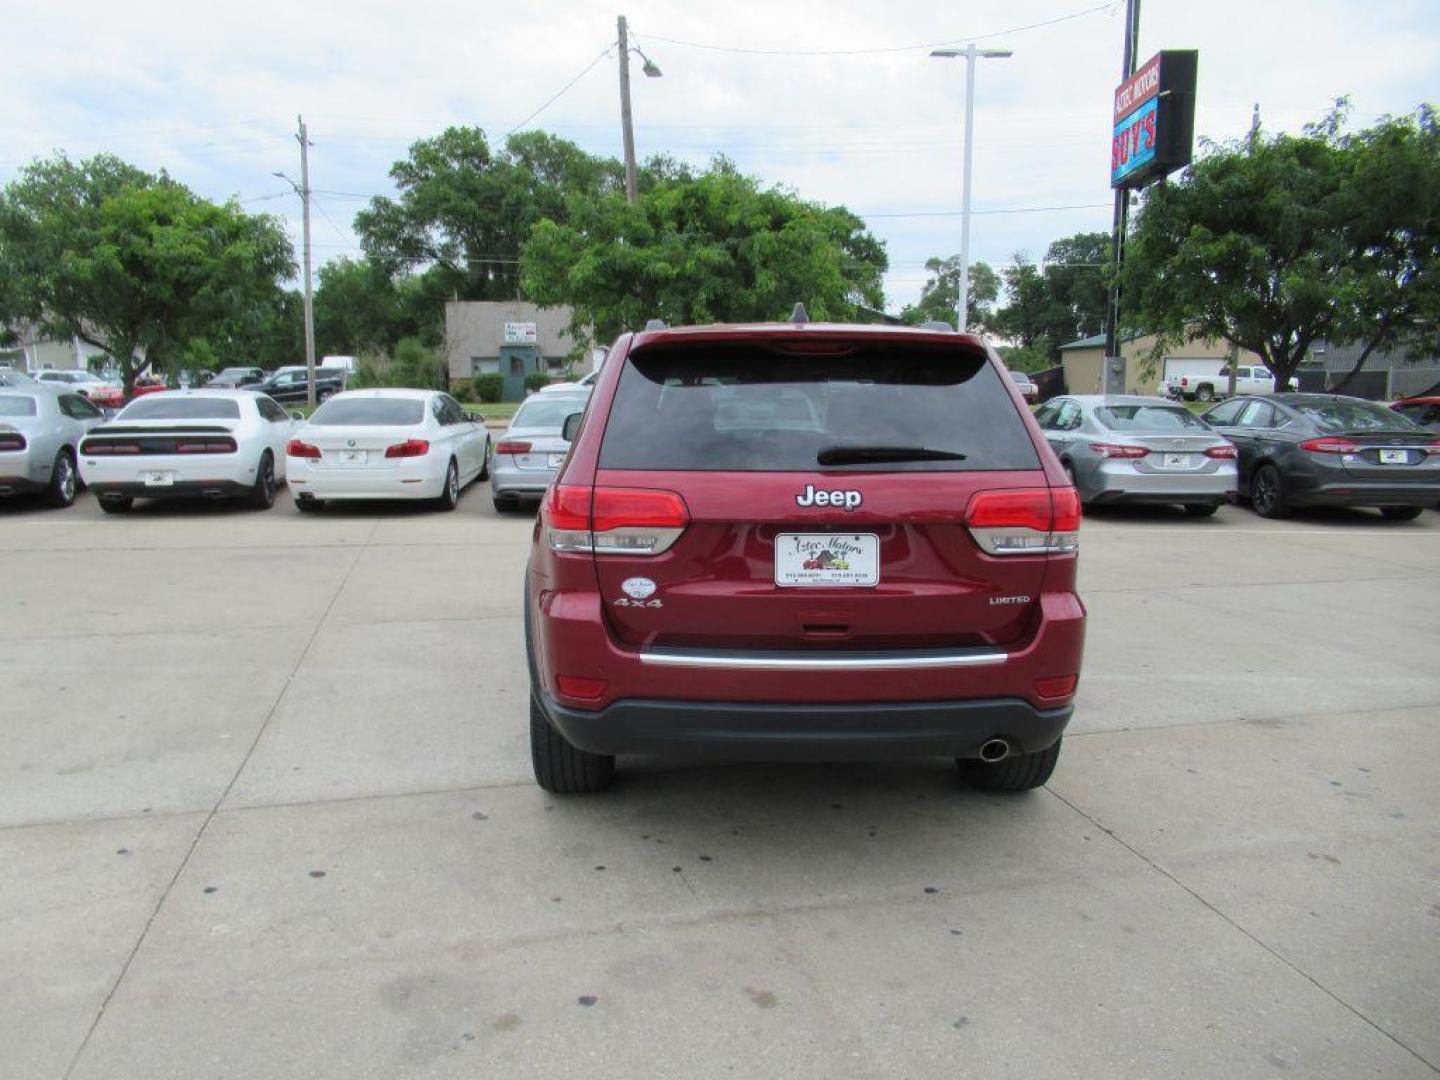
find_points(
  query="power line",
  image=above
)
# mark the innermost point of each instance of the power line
(1106, 7)
(561, 92)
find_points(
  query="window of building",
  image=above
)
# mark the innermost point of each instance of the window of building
(485, 365)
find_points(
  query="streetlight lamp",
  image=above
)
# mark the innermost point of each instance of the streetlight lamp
(970, 53)
(652, 71)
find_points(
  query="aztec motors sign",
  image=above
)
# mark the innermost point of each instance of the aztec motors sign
(1154, 119)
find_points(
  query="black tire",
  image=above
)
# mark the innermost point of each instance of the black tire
(309, 506)
(1018, 772)
(560, 767)
(1201, 509)
(1204, 393)
(262, 495)
(1267, 493)
(64, 481)
(116, 504)
(485, 464)
(1401, 513)
(450, 493)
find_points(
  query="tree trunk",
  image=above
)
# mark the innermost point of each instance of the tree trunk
(1339, 387)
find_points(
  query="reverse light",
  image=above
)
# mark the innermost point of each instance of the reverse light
(612, 521)
(1330, 444)
(1223, 453)
(1114, 450)
(508, 446)
(296, 448)
(408, 448)
(1025, 521)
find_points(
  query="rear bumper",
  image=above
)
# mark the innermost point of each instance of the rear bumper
(412, 478)
(1362, 493)
(180, 489)
(507, 479)
(807, 732)
(21, 485)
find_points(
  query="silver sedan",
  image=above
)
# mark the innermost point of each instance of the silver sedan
(1119, 448)
(529, 455)
(40, 429)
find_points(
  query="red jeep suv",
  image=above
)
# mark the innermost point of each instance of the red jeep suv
(808, 542)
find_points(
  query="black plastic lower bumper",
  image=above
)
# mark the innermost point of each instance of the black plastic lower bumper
(827, 732)
(181, 489)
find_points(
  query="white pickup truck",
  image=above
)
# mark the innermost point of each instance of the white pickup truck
(1248, 380)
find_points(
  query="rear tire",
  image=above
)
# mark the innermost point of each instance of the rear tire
(485, 464)
(262, 495)
(1204, 393)
(116, 504)
(450, 493)
(1018, 772)
(1201, 510)
(560, 767)
(1267, 493)
(64, 481)
(1402, 513)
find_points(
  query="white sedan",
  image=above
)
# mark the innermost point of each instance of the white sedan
(215, 444)
(387, 444)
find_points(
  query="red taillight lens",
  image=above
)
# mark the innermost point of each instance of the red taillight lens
(1184, 381)
(1225, 452)
(1433, 448)
(507, 446)
(296, 448)
(1330, 444)
(98, 448)
(1054, 689)
(1025, 521)
(408, 448)
(205, 446)
(1113, 450)
(574, 686)
(616, 521)
(12, 442)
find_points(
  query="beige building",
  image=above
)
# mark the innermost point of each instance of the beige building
(1084, 362)
(511, 338)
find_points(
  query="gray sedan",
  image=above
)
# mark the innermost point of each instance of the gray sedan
(529, 456)
(1118, 448)
(40, 428)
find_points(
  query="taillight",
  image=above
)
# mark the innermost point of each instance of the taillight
(296, 448)
(99, 449)
(1025, 521)
(1433, 448)
(507, 446)
(408, 448)
(1184, 381)
(205, 446)
(1330, 444)
(613, 521)
(1113, 450)
(1221, 452)
(12, 441)
(1057, 687)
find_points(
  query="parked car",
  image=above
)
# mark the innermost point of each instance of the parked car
(41, 426)
(1327, 450)
(214, 444)
(85, 383)
(1424, 411)
(10, 376)
(1028, 390)
(347, 364)
(583, 383)
(1248, 380)
(148, 384)
(531, 451)
(292, 384)
(1129, 449)
(231, 378)
(387, 444)
(669, 606)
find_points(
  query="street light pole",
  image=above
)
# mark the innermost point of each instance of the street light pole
(652, 71)
(309, 294)
(970, 54)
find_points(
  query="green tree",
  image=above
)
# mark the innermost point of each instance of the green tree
(128, 262)
(941, 295)
(713, 247)
(1061, 300)
(1275, 242)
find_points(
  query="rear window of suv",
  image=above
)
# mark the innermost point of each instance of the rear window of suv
(748, 408)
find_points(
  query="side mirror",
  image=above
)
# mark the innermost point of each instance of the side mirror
(572, 427)
(476, 418)
(296, 414)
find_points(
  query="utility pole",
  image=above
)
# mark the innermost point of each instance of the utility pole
(970, 54)
(625, 122)
(309, 296)
(1122, 209)
(1234, 349)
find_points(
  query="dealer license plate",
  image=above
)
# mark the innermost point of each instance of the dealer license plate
(837, 559)
(1394, 457)
(158, 479)
(556, 460)
(353, 457)
(1177, 461)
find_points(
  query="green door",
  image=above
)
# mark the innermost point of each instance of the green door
(517, 361)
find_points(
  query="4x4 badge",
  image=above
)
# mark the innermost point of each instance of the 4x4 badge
(850, 499)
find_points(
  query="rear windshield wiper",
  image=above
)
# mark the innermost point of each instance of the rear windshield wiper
(849, 455)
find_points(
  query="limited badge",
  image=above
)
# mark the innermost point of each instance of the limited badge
(638, 588)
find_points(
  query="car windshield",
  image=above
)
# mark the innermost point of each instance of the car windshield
(755, 409)
(543, 413)
(1351, 415)
(388, 412)
(15, 405)
(1148, 418)
(181, 408)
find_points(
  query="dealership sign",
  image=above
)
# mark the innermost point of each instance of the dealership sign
(521, 333)
(1154, 121)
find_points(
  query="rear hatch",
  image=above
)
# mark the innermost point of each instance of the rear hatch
(826, 492)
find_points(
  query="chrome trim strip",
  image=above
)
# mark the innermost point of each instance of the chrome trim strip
(842, 662)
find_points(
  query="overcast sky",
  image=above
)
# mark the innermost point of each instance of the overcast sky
(210, 92)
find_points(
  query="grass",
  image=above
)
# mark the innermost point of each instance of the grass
(498, 410)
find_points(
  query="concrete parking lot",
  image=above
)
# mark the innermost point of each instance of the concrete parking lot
(266, 811)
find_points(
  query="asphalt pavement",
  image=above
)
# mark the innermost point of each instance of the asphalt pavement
(266, 811)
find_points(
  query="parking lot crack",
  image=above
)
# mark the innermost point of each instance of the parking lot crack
(1281, 957)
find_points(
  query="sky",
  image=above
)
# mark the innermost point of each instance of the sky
(839, 101)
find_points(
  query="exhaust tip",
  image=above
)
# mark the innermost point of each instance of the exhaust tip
(993, 750)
